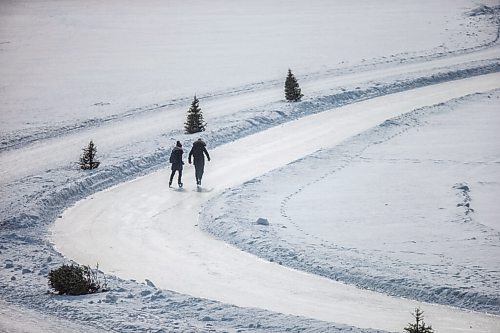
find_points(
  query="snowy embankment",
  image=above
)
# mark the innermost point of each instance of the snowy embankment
(405, 208)
(50, 109)
(142, 229)
(14, 319)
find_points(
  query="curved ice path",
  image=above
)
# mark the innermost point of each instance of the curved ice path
(142, 229)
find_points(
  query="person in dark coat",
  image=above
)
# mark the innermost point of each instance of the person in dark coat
(177, 163)
(198, 152)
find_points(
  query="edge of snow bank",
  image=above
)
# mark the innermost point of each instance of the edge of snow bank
(221, 218)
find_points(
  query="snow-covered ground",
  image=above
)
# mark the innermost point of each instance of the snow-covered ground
(73, 61)
(123, 74)
(125, 232)
(376, 210)
(14, 319)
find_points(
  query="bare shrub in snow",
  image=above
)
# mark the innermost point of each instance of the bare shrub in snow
(75, 280)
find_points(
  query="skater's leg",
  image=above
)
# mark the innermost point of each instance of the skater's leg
(199, 172)
(179, 179)
(171, 177)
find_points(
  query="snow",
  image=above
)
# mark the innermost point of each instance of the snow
(125, 233)
(27, 321)
(110, 58)
(396, 193)
(123, 74)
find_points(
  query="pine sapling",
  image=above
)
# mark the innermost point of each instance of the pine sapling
(292, 89)
(419, 326)
(87, 160)
(194, 122)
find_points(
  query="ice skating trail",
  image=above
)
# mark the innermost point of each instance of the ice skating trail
(144, 230)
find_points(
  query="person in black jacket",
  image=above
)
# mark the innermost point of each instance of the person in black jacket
(176, 160)
(198, 153)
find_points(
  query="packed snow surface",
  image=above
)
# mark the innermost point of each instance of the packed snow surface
(18, 320)
(123, 74)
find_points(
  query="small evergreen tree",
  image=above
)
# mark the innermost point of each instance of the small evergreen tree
(292, 89)
(87, 160)
(419, 326)
(194, 122)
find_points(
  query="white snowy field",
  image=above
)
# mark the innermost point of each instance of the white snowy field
(124, 73)
(68, 62)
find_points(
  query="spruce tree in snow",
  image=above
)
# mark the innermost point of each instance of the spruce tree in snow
(419, 326)
(292, 89)
(87, 160)
(194, 122)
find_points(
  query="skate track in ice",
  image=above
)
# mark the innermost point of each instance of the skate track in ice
(142, 229)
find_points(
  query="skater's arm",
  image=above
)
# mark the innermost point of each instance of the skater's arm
(206, 153)
(190, 154)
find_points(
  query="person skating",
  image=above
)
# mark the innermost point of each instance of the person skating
(198, 153)
(177, 163)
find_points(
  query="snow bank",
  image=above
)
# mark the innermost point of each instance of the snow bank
(142, 229)
(388, 210)
(129, 306)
